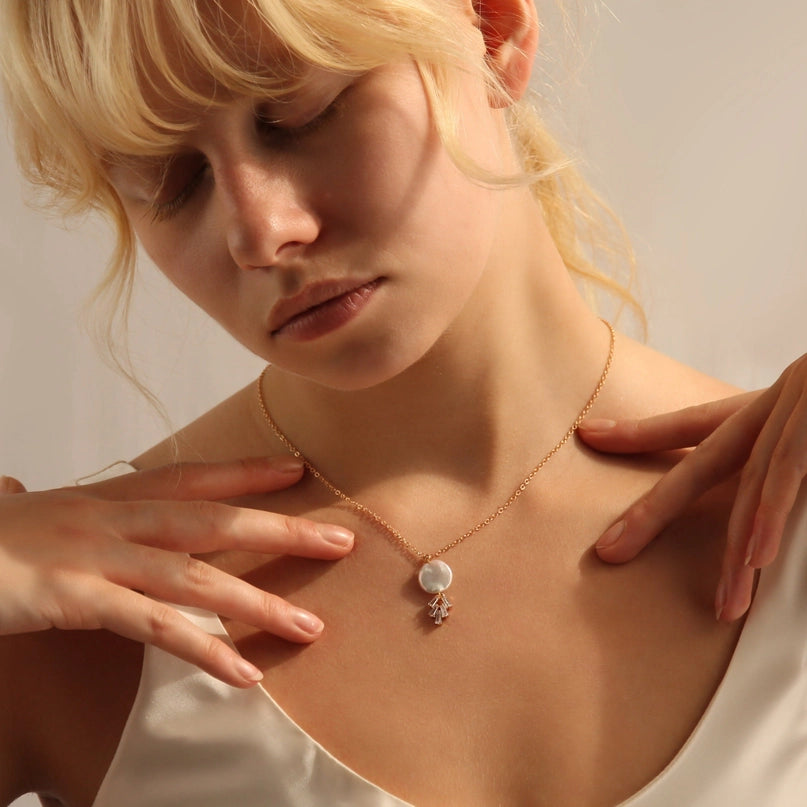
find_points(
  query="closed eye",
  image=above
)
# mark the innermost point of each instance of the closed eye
(183, 174)
(181, 178)
(288, 129)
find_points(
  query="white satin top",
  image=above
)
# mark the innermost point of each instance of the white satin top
(192, 740)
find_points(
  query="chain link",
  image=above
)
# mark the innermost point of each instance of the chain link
(413, 551)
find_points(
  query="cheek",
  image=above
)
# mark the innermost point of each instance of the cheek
(194, 258)
(402, 188)
(189, 258)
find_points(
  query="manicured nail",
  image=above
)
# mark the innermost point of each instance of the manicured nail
(598, 425)
(308, 623)
(336, 536)
(753, 542)
(286, 465)
(249, 672)
(720, 600)
(611, 535)
(10, 485)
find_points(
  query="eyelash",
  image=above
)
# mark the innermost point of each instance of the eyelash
(288, 135)
(162, 211)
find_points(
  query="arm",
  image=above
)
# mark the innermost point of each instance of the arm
(94, 556)
(761, 435)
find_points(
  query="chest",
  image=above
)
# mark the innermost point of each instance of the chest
(555, 679)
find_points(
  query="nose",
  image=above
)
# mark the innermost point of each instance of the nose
(269, 218)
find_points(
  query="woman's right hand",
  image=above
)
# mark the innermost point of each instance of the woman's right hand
(93, 557)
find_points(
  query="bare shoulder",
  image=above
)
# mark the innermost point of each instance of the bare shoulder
(233, 428)
(645, 382)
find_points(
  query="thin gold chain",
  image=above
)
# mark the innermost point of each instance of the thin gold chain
(413, 551)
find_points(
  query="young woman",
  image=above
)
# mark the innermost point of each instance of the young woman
(352, 190)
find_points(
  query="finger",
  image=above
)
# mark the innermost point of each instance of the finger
(733, 594)
(671, 430)
(734, 588)
(754, 471)
(203, 526)
(734, 591)
(218, 480)
(786, 472)
(714, 460)
(185, 580)
(144, 620)
(9, 486)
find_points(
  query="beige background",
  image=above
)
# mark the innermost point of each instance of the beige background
(693, 120)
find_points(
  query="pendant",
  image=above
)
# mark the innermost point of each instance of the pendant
(435, 577)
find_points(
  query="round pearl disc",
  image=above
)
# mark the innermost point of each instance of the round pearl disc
(435, 576)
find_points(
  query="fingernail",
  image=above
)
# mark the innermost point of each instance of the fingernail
(249, 672)
(720, 599)
(753, 542)
(598, 425)
(611, 535)
(336, 536)
(308, 623)
(287, 464)
(8, 484)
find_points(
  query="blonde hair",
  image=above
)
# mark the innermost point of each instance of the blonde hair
(103, 73)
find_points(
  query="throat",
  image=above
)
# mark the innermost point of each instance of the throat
(466, 421)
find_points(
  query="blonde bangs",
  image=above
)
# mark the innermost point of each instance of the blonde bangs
(110, 76)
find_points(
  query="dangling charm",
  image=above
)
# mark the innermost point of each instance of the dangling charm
(438, 608)
(435, 577)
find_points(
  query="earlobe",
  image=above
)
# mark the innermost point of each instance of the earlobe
(510, 30)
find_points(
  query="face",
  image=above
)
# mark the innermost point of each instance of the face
(331, 234)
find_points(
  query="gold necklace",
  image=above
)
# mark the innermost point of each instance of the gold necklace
(435, 576)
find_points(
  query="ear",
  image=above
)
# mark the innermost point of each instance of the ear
(510, 30)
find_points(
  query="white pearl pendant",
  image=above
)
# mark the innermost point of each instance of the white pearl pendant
(435, 577)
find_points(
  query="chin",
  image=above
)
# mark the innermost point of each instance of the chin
(361, 366)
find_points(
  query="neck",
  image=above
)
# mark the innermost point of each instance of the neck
(496, 392)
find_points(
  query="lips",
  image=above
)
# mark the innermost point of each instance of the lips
(320, 307)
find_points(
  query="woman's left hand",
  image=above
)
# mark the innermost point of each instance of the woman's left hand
(762, 434)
